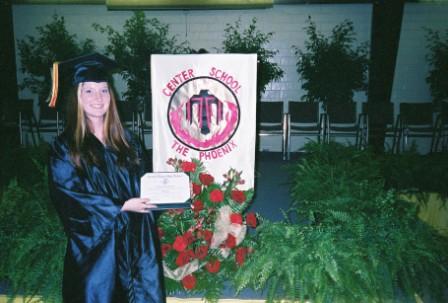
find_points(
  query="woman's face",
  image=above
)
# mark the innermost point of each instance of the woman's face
(94, 98)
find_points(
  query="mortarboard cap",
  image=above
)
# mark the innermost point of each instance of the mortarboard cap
(88, 68)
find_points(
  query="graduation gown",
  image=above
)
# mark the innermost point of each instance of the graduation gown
(111, 255)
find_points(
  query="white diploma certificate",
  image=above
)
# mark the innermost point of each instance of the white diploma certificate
(162, 188)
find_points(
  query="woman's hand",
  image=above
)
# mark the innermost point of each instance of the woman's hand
(138, 205)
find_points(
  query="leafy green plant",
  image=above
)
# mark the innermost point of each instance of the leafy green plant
(25, 158)
(132, 49)
(438, 60)
(411, 172)
(253, 41)
(355, 242)
(345, 239)
(37, 54)
(32, 239)
(331, 68)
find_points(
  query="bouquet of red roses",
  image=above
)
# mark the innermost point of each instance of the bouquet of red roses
(202, 247)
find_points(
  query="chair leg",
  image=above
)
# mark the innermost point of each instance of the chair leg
(285, 136)
(437, 135)
(140, 126)
(398, 132)
(20, 128)
(36, 124)
(31, 125)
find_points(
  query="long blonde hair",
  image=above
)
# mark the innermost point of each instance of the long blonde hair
(79, 133)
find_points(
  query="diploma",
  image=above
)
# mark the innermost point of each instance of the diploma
(165, 188)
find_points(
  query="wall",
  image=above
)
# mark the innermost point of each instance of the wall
(412, 68)
(205, 29)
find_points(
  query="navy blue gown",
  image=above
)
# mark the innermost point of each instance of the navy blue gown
(111, 255)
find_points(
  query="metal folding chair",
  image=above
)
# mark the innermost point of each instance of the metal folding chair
(415, 121)
(343, 121)
(304, 120)
(381, 113)
(144, 121)
(273, 122)
(440, 142)
(27, 121)
(50, 120)
(128, 115)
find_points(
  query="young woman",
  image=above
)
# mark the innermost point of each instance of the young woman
(95, 167)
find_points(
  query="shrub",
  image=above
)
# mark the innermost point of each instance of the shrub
(331, 68)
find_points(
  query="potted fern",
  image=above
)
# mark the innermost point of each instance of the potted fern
(32, 241)
(346, 238)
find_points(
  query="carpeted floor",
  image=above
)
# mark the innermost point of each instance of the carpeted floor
(272, 185)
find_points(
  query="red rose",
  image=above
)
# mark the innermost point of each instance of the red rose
(240, 255)
(188, 237)
(183, 258)
(230, 241)
(213, 266)
(166, 247)
(201, 252)
(180, 243)
(208, 235)
(189, 282)
(216, 196)
(206, 179)
(196, 189)
(238, 196)
(251, 220)
(188, 166)
(160, 232)
(236, 218)
(198, 205)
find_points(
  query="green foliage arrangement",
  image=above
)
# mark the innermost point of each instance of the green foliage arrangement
(347, 239)
(32, 239)
(253, 41)
(204, 246)
(411, 172)
(25, 157)
(37, 54)
(438, 60)
(331, 68)
(133, 47)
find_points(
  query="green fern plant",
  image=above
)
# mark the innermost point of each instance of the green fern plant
(352, 241)
(32, 239)
(411, 172)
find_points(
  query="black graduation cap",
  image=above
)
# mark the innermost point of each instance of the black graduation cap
(88, 68)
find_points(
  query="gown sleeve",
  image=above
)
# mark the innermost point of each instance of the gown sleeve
(88, 216)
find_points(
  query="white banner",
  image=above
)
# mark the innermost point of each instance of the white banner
(203, 107)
